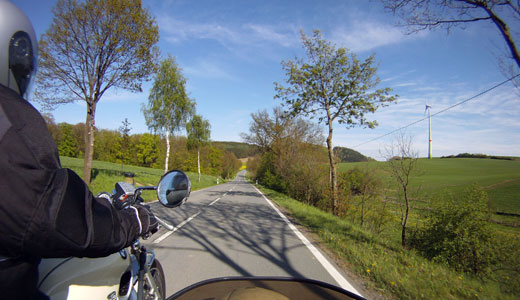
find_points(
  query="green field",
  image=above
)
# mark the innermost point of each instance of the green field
(105, 175)
(500, 178)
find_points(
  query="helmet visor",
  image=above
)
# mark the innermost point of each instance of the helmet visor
(22, 61)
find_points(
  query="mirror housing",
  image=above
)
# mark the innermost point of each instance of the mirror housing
(173, 188)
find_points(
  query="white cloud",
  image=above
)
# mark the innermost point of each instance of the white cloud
(364, 35)
(248, 34)
(207, 69)
(488, 124)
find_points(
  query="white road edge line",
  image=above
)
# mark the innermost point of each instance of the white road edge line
(343, 283)
(167, 234)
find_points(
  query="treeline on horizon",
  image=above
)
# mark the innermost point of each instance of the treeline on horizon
(145, 149)
(478, 155)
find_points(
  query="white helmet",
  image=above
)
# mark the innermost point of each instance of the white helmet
(18, 49)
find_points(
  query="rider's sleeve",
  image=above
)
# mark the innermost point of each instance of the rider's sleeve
(45, 210)
(76, 223)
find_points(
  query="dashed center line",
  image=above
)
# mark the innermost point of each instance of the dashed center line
(214, 201)
(167, 234)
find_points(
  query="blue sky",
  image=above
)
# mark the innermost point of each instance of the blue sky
(230, 53)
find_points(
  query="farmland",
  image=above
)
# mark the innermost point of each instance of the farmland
(499, 178)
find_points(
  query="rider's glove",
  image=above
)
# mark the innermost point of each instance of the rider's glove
(106, 196)
(147, 222)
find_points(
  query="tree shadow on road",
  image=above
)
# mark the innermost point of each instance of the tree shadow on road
(250, 228)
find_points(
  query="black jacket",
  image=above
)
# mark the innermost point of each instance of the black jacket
(46, 210)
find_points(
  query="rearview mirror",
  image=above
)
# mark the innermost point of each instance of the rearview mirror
(174, 188)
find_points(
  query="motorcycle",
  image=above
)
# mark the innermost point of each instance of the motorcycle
(132, 273)
(135, 272)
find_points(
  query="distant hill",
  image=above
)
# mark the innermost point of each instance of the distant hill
(349, 155)
(241, 150)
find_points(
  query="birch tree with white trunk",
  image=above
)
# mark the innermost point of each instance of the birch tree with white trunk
(169, 106)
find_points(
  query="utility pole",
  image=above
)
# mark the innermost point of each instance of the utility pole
(428, 107)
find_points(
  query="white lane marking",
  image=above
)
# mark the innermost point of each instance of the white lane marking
(214, 201)
(343, 283)
(167, 234)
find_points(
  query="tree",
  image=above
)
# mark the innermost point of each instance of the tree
(292, 154)
(124, 140)
(198, 131)
(364, 185)
(402, 164)
(334, 86)
(169, 106)
(67, 145)
(108, 146)
(430, 14)
(90, 47)
(230, 165)
(147, 149)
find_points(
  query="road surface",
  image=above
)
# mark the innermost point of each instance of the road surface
(232, 230)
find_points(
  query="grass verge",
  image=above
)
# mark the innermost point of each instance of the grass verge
(105, 175)
(382, 264)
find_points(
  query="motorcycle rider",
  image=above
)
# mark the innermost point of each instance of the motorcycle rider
(46, 211)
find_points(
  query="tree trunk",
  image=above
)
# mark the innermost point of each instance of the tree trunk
(167, 149)
(405, 219)
(198, 162)
(89, 141)
(333, 186)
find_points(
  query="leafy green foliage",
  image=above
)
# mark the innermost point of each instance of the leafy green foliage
(457, 233)
(349, 155)
(469, 155)
(67, 143)
(241, 150)
(383, 265)
(332, 85)
(124, 141)
(108, 146)
(90, 47)
(198, 134)
(293, 159)
(147, 150)
(169, 106)
(230, 165)
(107, 174)
(361, 198)
(198, 131)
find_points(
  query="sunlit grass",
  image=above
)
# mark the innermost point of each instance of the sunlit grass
(106, 175)
(382, 263)
(499, 178)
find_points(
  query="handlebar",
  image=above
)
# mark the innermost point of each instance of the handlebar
(125, 194)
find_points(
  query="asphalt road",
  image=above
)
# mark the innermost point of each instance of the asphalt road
(232, 230)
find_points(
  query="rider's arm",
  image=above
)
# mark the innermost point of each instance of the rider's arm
(78, 223)
(45, 210)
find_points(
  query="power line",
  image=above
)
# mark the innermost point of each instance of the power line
(441, 111)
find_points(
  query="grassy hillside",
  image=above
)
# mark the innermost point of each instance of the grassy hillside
(349, 155)
(105, 175)
(500, 178)
(241, 150)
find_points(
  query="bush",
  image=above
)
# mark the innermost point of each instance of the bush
(361, 197)
(457, 233)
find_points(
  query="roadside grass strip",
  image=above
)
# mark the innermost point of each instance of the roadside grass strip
(342, 282)
(382, 265)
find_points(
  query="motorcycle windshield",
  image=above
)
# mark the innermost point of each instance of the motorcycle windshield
(262, 288)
